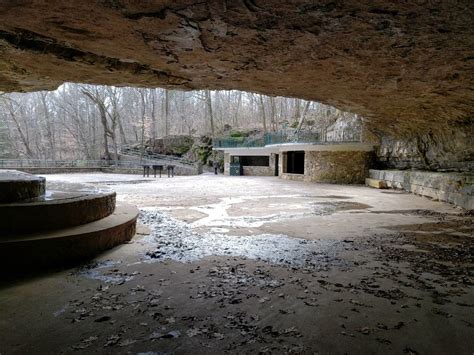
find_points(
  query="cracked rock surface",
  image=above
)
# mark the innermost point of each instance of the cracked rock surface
(405, 66)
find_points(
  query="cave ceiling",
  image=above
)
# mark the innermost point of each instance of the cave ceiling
(405, 66)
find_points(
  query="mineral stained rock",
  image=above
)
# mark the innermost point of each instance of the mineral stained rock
(406, 66)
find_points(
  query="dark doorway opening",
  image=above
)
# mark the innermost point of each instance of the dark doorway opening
(277, 158)
(251, 160)
(295, 163)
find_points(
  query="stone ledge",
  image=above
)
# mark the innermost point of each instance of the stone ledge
(455, 188)
(378, 184)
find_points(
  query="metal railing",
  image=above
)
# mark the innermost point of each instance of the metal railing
(38, 163)
(89, 164)
(286, 137)
(237, 142)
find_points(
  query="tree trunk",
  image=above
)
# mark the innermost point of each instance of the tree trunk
(207, 95)
(167, 109)
(272, 114)
(23, 136)
(153, 115)
(303, 116)
(49, 127)
(296, 115)
(103, 119)
(237, 109)
(264, 119)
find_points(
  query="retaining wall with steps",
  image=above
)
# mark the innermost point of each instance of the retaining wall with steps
(455, 188)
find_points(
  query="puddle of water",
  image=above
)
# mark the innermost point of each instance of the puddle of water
(61, 310)
(396, 192)
(171, 239)
(217, 215)
(220, 230)
(336, 197)
(129, 182)
(327, 208)
(74, 187)
(98, 271)
(51, 195)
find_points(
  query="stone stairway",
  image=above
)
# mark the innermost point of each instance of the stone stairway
(154, 158)
(59, 227)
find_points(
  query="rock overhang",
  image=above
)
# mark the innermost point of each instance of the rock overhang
(406, 67)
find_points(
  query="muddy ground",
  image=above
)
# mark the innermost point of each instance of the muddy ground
(257, 265)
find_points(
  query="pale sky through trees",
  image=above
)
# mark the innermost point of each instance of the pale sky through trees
(74, 121)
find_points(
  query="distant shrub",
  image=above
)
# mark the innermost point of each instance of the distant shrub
(238, 134)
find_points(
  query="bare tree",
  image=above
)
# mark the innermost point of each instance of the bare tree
(264, 119)
(15, 115)
(98, 99)
(86, 122)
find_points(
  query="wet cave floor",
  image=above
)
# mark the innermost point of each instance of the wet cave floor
(257, 265)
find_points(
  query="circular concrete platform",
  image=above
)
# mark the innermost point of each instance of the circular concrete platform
(68, 245)
(17, 186)
(56, 210)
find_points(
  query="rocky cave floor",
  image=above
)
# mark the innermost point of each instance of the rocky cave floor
(257, 265)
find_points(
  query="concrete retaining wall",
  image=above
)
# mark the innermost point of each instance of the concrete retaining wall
(455, 188)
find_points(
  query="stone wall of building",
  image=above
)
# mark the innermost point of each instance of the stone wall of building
(340, 167)
(226, 164)
(252, 170)
(258, 170)
(294, 177)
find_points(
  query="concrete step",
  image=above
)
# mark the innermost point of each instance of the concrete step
(55, 210)
(18, 186)
(378, 184)
(67, 246)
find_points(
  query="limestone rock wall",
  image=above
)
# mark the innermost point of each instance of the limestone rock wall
(452, 149)
(337, 166)
(455, 188)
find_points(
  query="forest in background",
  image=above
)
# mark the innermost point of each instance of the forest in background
(79, 121)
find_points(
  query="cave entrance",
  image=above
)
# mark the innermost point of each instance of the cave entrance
(295, 162)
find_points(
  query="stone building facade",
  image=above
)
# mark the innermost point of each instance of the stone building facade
(330, 163)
